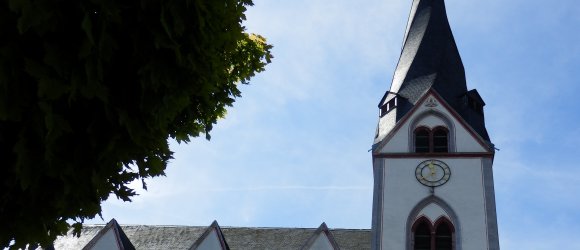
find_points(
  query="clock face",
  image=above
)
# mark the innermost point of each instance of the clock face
(432, 173)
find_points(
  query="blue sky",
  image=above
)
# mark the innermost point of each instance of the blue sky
(293, 151)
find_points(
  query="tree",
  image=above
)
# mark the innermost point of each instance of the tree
(90, 92)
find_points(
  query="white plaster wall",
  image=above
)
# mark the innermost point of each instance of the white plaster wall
(400, 195)
(432, 212)
(211, 242)
(399, 142)
(107, 242)
(464, 193)
(465, 141)
(386, 122)
(321, 243)
(431, 122)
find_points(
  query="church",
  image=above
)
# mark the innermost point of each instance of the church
(431, 159)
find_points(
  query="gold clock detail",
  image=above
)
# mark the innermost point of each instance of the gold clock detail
(432, 173)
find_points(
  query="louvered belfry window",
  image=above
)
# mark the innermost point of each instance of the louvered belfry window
(431, 141)
(440, 140)
(422, 135)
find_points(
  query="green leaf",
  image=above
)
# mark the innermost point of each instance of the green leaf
(87, 26)
(85, 96)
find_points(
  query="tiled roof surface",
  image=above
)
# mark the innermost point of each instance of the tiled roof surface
(183, 237)
(142, 237)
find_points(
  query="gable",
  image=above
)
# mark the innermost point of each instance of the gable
(432, 111)
(321, 243)
(111, 237)
(108, 241)
(210, 242)
(211, 239)
(321, 239)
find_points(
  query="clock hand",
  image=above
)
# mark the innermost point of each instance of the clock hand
(431, 168)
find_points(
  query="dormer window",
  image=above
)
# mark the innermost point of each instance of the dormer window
(431, 141)
(387, 107)
(474, 101)
(475, 105)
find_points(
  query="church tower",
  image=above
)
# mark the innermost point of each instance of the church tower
(432, 156)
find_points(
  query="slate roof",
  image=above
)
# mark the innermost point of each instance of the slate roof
(183, 237)
(142, 237)
(430, 59)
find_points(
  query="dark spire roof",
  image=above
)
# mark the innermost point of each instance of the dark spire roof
(430, 59)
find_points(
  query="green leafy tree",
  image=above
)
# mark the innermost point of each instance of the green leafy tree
(91, 91)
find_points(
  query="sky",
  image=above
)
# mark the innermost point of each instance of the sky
(293, 151)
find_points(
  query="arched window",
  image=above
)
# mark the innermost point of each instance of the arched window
(428, 237)
(422, 236)
(422, 143)
(431, 141)
(443, 237)
(440, 140)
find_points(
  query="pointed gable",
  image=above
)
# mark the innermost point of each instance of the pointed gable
(111, 237)
(321, 239)
(429, 60)
(211, 239)
(433, 111)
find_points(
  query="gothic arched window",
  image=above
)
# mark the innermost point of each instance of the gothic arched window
(443, 237)
(431, 141)
(438, 237)
(422, 236)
